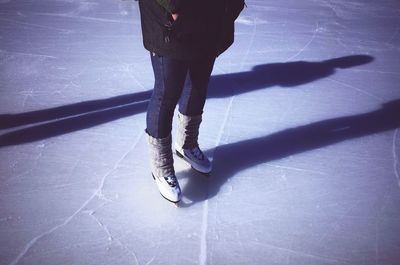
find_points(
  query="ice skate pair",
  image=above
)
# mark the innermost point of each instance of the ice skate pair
(186, 147)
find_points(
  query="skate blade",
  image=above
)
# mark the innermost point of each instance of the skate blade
(206, 174)
(176, 204)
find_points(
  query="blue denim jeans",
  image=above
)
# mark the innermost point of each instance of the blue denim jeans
(176, 81)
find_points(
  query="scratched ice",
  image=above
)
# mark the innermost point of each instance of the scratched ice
(302, 123)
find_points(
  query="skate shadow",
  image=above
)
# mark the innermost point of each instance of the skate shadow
(229, 159)
(42, 124)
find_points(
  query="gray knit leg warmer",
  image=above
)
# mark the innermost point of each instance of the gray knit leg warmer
(188, 131)
(161, 159)
(186, 144)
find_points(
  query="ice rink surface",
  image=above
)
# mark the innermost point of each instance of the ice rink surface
(301, 123)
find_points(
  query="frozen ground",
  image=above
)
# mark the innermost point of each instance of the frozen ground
(301, 122)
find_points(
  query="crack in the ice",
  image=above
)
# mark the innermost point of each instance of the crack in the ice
(376, 242)
(377, 221)
(103, 226)
(97, 193)
(132, 74)
(306, 45)
(150, 261)
(110, 237)
(20, 175)
(251, 42)
(203, 237)
(80, 17)
(357, 89)
(33, 241)
(301, 253)
(396, 74)
(329, 5)
(204, 224)
(133, 254)
(35, 25)
(297, 169)
(128, 68)
(395, 157)
(393, 36)
(340, 217)
(29, 54)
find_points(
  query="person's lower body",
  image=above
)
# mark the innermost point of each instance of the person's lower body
(176, 81)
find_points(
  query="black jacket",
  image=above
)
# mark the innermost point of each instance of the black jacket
(203, 28)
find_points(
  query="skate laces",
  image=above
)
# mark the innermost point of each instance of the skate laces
(171, 180)
(197, 153)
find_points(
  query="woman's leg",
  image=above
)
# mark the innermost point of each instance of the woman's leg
(169, 80)
(169, 75)
(195, 89)
(190, 115)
